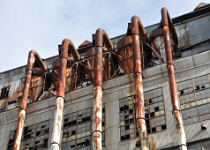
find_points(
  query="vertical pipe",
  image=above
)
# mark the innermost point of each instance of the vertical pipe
(101, 38)
(137, 30)
(56, 130)
(172, 80)
(22, 112)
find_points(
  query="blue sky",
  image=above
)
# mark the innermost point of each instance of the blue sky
(43, 24)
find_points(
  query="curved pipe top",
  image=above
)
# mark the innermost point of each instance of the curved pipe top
(30, 62)
(29, 69)
(137, 26)
(167, 21)
(67, 44)
(102, 37)
(165, 17)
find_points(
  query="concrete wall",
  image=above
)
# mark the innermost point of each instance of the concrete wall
(113, 90)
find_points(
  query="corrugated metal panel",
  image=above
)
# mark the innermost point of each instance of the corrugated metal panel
(183, 35)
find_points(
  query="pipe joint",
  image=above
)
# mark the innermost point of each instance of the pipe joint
(140, 119)
(97, 131)
(181, 145)
(64, 57)
(29, 70)
(97, 85)
(55, 143)
(22, 108)
(60, 97)
(175, 110)
(170, 63)
(100, 46)
(135, 73)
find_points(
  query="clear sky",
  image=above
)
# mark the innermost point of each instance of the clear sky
(43, 24)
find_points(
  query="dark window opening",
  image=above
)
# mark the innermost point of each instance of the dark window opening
(156, 108)
(73, 132)
(163, 127)
(150, 100)
(4, 92)
(153, 129)
(154, 114)
(79, 126)
(33, 137)
(11, 104)
(131, 111)
(181, 92)
(127, 127)
(197, 88)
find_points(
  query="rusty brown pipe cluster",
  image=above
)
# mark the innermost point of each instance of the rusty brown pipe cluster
(60, 87)
(138, 31)
(100, 39)
(33, 55)
(171, 75)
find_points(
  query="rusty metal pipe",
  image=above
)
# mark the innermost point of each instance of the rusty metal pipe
(172, 81)
(101, 39)
(138, 31)
(21, 117)
(56, 131)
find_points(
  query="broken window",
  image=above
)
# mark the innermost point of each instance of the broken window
(34, 137)
(77, 130)
(194, 95)
(4, 92)
(127, 118)
(154, 114)
(11, 104)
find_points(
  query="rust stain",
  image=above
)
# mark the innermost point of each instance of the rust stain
(101, 37)
(90, 63)
(33, 55)
(139, 32)
(62, 68)
(166, 21)
(96, 140)
(19, 130)
(125, 56)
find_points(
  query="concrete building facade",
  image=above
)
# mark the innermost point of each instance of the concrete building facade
(119, 129)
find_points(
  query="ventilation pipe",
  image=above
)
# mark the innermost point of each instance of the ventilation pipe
(166, 21)
(60, 85)
(138, 31)
(33, 55)
(100, 39)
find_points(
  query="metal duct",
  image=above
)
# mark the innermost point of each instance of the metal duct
(168, 33)
(138, 31)
(171, 75)
(60, 85)
(100, 39)
(33, 55)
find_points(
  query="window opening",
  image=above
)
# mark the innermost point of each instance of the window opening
(77, 129)
(4, 92)
(194, 95)
(154, 114)
(35, 137)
